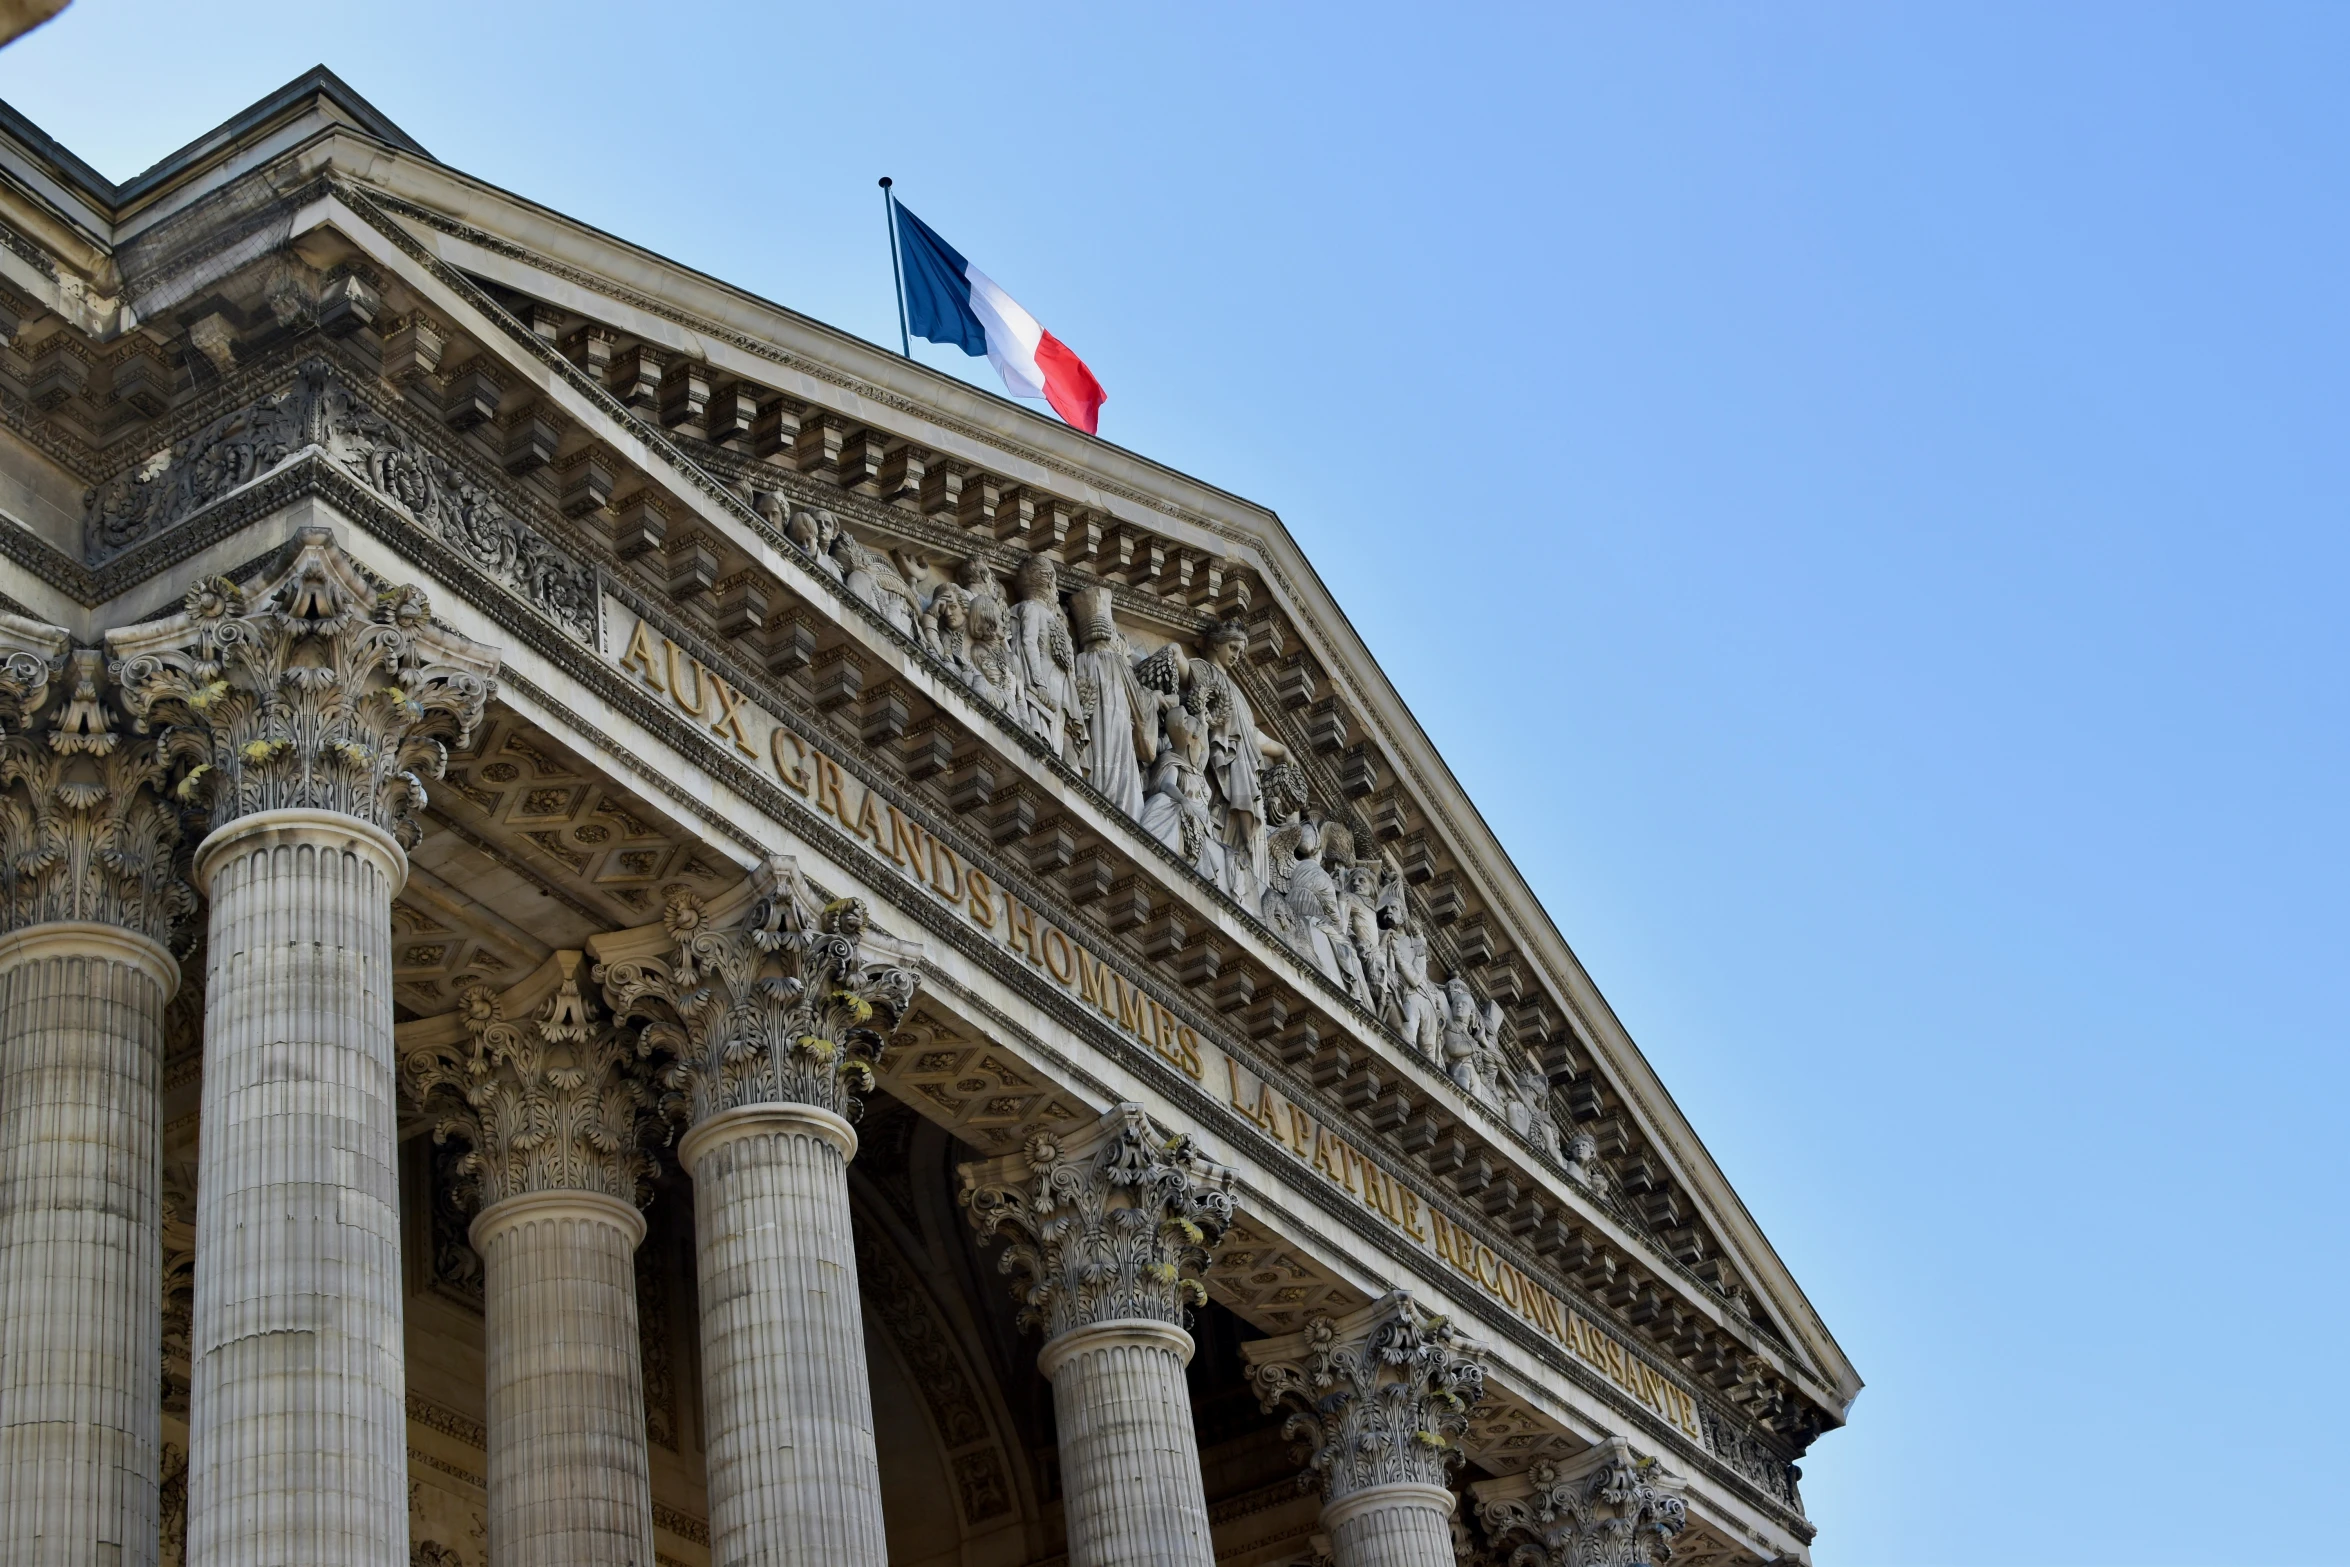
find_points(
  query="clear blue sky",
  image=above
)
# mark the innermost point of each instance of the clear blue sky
(1856, 492)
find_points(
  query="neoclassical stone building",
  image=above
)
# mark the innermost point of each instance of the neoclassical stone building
(639, 933)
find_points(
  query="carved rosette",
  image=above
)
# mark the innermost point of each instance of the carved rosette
(556, 1102)
(307, 688)
(1379, 1396)
(1605, 1508)
(86, 829)
(1109, 1223)
(780, 1006)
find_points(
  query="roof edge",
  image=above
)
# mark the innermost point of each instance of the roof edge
(317, 82)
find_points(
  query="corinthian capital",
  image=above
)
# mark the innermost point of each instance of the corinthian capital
(1604, 1508)
(779, 1005)
(306, 687)
(85, 830)
(1379, 1395)
(1107, 1223)
(546, 1096)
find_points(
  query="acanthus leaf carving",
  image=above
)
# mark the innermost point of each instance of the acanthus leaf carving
(467, 517)
(323, 413)
(87, 831)
(306, 688)
(780, 1005)
(1113, 1221)
(1379, 1396)
(173, 484)
(558, 1101)
(1608, 1507)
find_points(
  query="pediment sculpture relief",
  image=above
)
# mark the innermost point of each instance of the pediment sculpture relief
(1169, 737)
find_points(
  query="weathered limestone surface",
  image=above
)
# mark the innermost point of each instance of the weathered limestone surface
(1381, 1395)
(1606, 1507)
(793, 1472)
(553, 1107)
(1129, 1456)
(89, 895)
(297, 1424)
(770, 1019)
(569, 1481)
(81, 1028)
(308, 706)
(1109, 1227)
(1401, 1525)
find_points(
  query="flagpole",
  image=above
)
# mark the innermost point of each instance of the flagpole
(897, 267)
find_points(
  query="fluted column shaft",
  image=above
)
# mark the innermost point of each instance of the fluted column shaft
(297, 1431)
(1130, 1476)
(81, 1040)
(1402, 1525)
(569, 1480)
(794, 1474)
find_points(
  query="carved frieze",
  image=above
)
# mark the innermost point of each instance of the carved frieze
(322, 412)
(305, 687)
(189, 475)
(1114, 1220)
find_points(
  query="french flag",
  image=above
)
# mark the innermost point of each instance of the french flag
(948, 300)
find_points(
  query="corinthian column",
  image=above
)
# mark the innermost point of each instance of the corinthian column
(1380, 1395)
(553, 1113)
(88, 899)
(311, 707)
(771, 1019)
(1109, 1227)
(1607, 1507)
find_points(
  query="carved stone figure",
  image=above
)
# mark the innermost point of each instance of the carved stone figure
(946, 629)
(989, 655)
(1120, 716)
(1237, 754)
(1526, 1103)
(875, 581)
(1359, 954)
(1043, 655)
(814, 532)
(1414, 1004)
(1583, 1165)
(1472, 1040)
(1176, 805)
(1308, 899)
(1607, 1507)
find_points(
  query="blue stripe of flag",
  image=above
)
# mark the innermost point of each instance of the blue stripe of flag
(938, 287)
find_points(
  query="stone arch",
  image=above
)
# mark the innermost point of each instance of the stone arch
(949, 1476)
